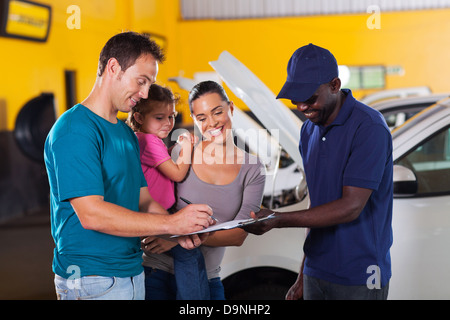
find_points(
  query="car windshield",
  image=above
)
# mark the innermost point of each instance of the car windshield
(430, 163)
(421, 116)
(397, 115)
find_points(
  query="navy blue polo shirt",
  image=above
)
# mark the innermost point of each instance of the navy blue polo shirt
(355, 150)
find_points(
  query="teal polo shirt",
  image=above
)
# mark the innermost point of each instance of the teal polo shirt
(355, 150)
(87, 155)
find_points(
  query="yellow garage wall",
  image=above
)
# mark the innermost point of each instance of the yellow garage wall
(159, 18)
(30, 68)
(418, 41)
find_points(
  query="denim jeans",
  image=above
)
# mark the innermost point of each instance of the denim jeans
(190, 274)
(318, 289)
(101, 288)
(161, 285)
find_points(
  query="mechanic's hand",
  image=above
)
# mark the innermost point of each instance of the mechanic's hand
(296, 290)
(262, 227)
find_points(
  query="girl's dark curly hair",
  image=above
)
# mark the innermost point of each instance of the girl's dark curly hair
(157, 95)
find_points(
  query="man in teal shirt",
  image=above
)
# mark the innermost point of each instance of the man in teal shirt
(100, 204)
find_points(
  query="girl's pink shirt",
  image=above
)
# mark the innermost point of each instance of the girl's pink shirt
(153, 152)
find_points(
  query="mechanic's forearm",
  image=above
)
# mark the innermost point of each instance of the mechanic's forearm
(322, 216)
(343, 210)
(329, 214)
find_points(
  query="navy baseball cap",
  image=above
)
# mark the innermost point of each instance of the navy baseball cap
(309, 67)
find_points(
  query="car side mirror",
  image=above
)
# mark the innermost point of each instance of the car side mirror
(405, 181)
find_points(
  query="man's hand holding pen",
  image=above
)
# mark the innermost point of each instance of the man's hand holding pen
(188, 202)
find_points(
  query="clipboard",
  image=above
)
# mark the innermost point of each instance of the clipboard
(229, 225)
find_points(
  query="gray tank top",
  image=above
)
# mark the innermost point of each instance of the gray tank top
(229, 202)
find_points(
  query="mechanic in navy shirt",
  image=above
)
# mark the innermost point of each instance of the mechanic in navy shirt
(346, 149)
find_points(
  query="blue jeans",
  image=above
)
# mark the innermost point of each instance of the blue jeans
(100, 288)
(190, 274)
(161, 285)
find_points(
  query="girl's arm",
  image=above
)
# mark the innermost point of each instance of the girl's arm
(176, 171)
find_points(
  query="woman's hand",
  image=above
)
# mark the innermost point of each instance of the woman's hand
(193, 241)
(160, 245)
(156, 245)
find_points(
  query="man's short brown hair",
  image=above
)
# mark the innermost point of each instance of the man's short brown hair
(126, 48)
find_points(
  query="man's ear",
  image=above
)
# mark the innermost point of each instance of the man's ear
(113, 67)
(335, 85)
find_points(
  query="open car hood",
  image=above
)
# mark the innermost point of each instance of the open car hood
(281, 122)
(258, 140)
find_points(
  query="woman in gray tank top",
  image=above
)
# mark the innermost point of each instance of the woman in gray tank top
(225, 177)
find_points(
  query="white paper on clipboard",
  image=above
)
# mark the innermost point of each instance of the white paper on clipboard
(229, 225)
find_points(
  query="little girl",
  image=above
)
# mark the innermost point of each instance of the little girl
(153, 119)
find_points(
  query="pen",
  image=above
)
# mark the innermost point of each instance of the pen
(188, 202)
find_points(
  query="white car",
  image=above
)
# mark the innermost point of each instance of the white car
(421, 220)
(397, 93)
(397, 111)
(266, 266)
